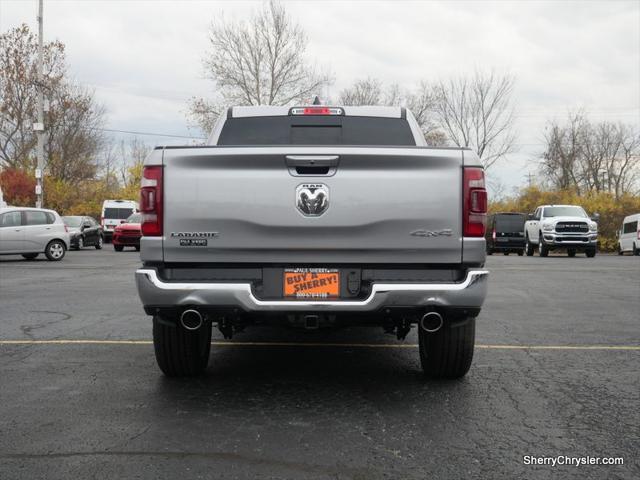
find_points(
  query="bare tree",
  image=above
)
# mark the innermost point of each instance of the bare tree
(624, 170)
(18, 91)
(132, 155)
(73, 120)
(74, 137)
(420, 101)
(259, 62)
(363, 92)
(600, 157)
(562, 153)
(475, 111)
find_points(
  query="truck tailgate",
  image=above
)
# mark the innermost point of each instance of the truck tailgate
(386, 205)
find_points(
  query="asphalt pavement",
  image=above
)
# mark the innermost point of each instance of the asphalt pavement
(556, 373)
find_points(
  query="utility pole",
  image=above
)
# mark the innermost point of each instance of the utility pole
(39, 126)
(530, 179)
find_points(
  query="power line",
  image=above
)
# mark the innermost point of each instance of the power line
(151, 134)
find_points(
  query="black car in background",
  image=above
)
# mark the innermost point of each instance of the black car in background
(505, 233)
(84, 232)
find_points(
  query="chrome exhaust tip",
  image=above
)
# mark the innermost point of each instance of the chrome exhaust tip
(431, 322)
(191, 319)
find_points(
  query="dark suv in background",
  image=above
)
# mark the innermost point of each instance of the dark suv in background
(505, 233)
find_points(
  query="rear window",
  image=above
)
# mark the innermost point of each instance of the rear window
(118, 213)
(38, 218)
(510, 223)
(316, 130)
(74, 222)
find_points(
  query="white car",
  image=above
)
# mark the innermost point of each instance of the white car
(32, 231)
(629, 235)
(561, 227)
(115, 212)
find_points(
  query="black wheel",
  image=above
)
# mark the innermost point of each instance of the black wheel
(520, 253)
(55, 250)
(571, 252)
(99, 243)
(620, 252)
(489, 251)
(448, 352)
(544, 250)
(636, 251)
(528, 247)
(181, 352)
(80, 243)
(30, 256)
(118, 248)
(590, 252)
(506, 254)
(137, 248)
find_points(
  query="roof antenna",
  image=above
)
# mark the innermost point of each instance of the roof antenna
(316, 101)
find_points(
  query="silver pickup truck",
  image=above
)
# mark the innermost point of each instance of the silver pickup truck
(313, 217)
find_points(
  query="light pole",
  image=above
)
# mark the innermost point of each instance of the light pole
(39, 126)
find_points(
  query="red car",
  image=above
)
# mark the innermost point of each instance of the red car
(128, 233)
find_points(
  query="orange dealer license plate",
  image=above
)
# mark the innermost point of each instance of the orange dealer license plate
(311, 283)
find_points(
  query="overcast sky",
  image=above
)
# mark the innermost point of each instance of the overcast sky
(144, 58)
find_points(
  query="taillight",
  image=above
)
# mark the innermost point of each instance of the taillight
(474, 208)
(316, 111)
(151, 201)
(494, 234)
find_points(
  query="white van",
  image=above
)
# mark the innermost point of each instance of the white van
(115, 212)
(629, 235)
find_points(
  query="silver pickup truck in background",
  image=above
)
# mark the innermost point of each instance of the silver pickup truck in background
(313, 217)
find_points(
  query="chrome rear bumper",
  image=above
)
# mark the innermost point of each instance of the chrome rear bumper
(154, 292)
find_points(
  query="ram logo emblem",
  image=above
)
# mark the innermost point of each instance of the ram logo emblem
(312, 199)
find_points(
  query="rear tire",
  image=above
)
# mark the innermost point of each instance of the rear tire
(448, 352)
(571, 252)
(636, 250)
(506, 254)
(544, 250)
(590, 252)
(180, 352)
(99, 243)
(118, 248)
(80, 243)
(55, 250)
(489, 251)
(137, 248)
(520, 253)
(30, 256)
(528, 247)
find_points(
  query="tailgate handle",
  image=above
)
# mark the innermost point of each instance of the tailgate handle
(314, 165)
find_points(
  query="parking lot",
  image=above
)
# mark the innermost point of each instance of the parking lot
(556, 372)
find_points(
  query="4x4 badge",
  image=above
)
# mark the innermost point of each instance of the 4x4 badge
(446, 232)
